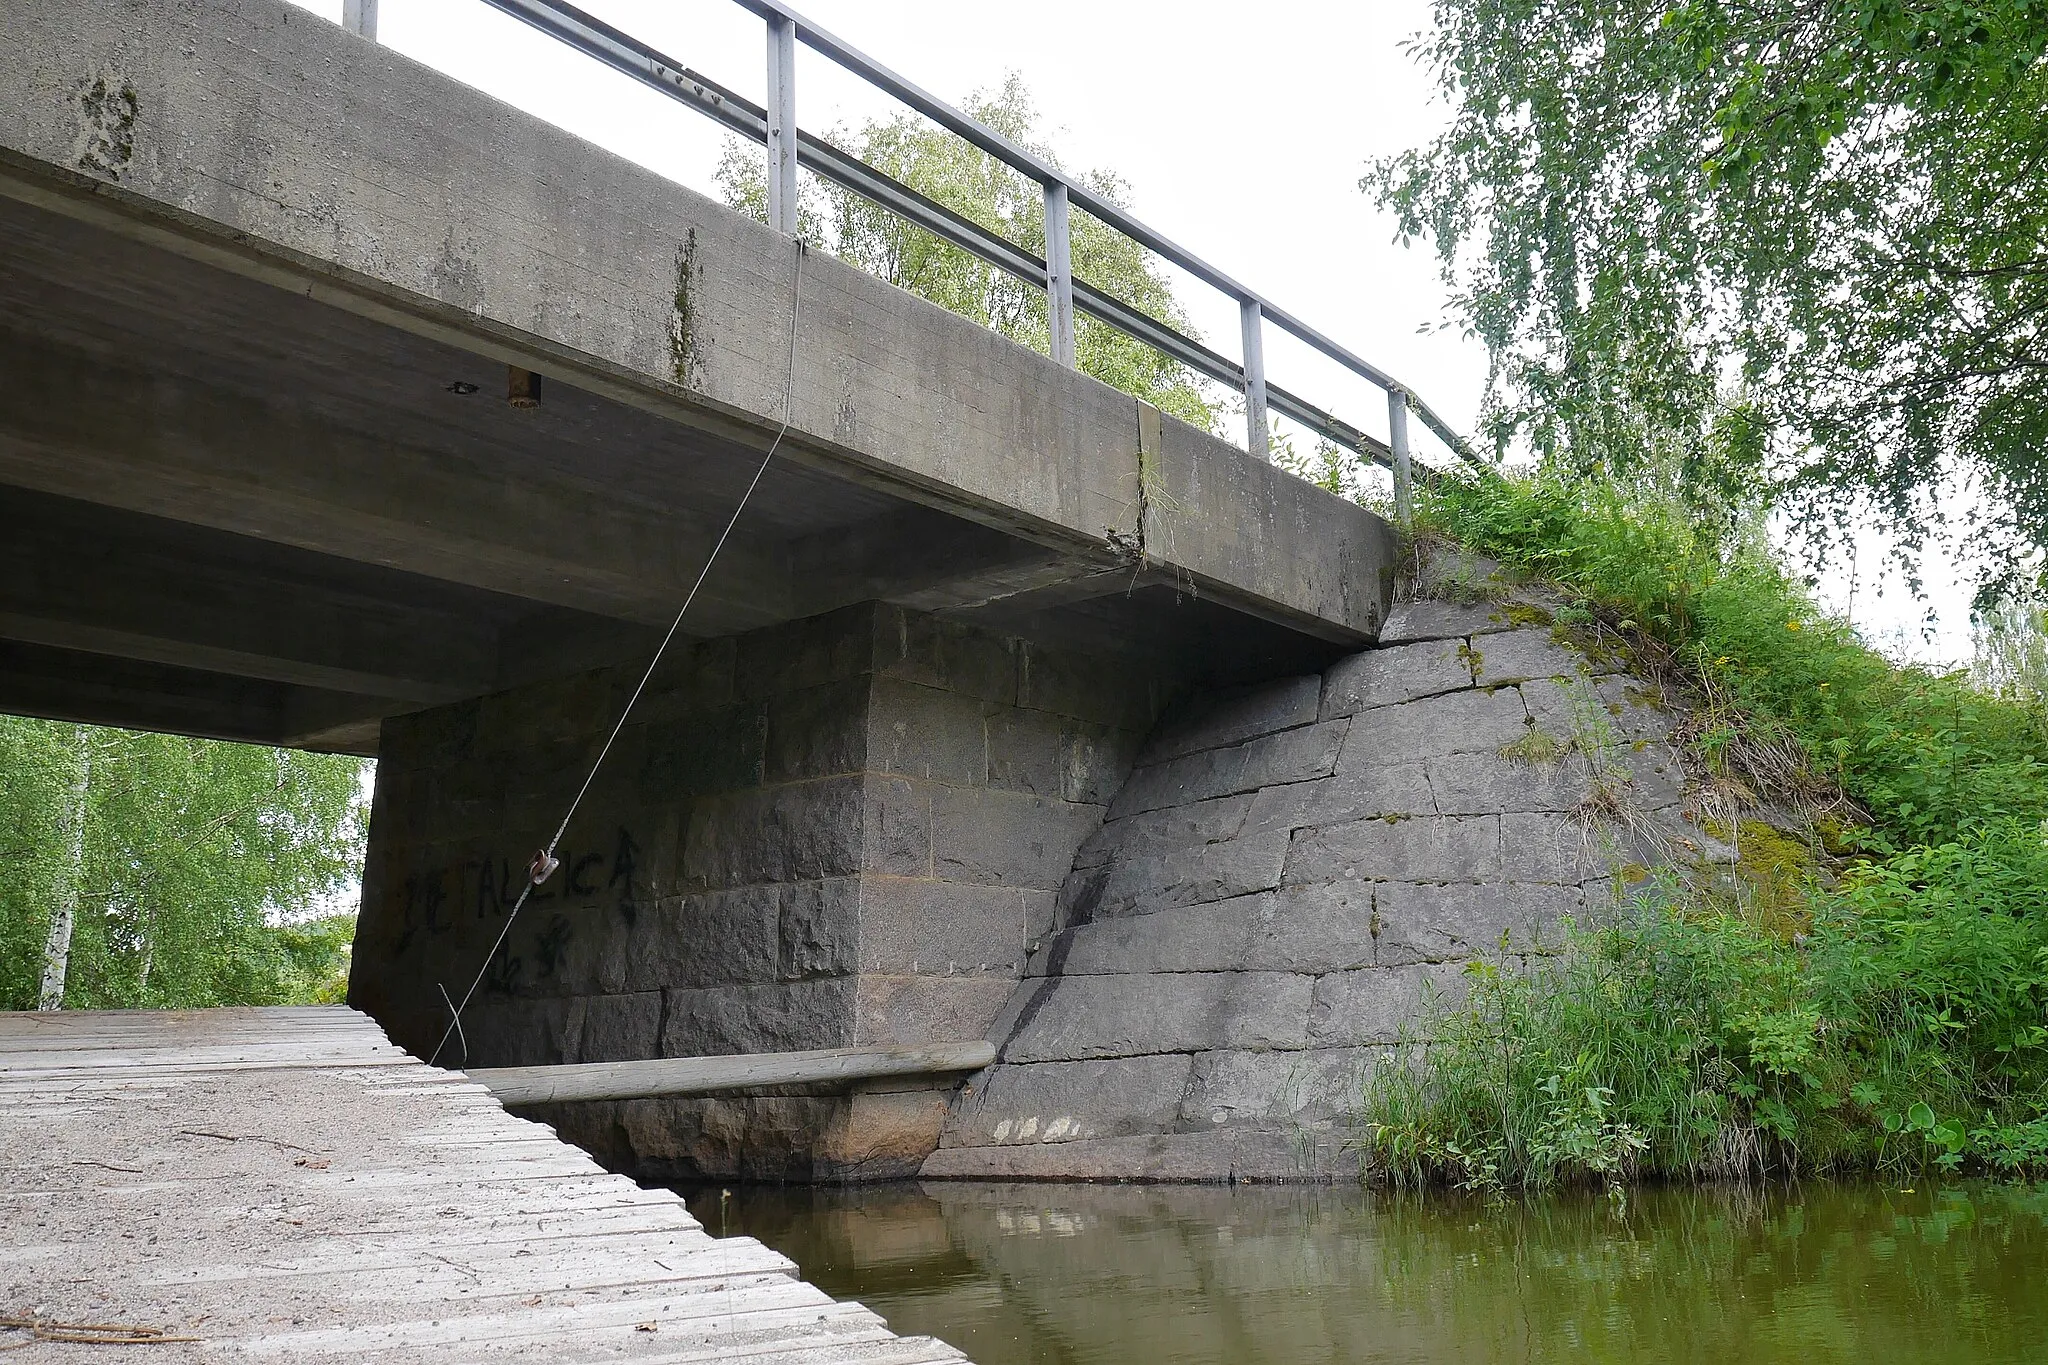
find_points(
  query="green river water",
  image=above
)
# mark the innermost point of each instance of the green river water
(1248, 1275)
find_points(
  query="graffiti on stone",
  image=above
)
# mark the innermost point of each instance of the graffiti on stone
(606, 876)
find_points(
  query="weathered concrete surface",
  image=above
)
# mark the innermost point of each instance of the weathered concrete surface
(847, 830)
(249, 255)
(1294, 874)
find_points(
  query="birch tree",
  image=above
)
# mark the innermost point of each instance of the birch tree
(1811, 232)
(159, 871)
(64, 903)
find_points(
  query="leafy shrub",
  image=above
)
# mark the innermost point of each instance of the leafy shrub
(1899, 1021)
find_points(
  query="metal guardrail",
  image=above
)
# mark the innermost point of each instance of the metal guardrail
(788, 147)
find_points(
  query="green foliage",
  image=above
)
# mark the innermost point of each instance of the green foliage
(1906, 1033)
(194, 851)
(972, 183)
(1814, 232)
(1899, 1019)
(1925, 753)
(2012, 652)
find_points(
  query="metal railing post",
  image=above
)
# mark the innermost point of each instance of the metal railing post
(788, 149)
(782, 124)
(1397, 442)
(1256, 431)
(1059, 274)
(360, 18)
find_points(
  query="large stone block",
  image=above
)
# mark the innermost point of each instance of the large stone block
(1298, 755)
(1488, 784)
(1214, 937)
(1437, 849)
(946, 656)
(835, 647)
(818, 731)
(927, 732)
(880, 1135)
(1381, 1004)
(1165, 831)
(729, 1137)
(928, 1009)
(1358, 792)
(1279, 1088)
(1393, 674)
(1124, 1016)
(503, 1030)
(1305, 929)
(817, 928)
(690, 676)
(1449, 923)
(1027, 751)
(698, 752)
(1071, 1101)
(1558, 848)
(620, 1028)
(1006, 838)
(707, 939)
(1435, 620)
(1455, 723)
(1094, 761)
(1609, 711)
(1101, 690)
(1519, 655)
(798, 831)
(791, 1016)
(1193, 875)
(1218, 720)
(896, 833)
(923, 926)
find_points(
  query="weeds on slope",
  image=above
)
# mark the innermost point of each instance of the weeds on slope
(1883, 1005)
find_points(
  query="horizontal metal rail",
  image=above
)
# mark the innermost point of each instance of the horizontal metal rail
(629, 56)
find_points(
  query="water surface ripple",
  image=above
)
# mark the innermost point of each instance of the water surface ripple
(1081, 1274)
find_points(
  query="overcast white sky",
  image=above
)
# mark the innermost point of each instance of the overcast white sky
(1242, 129)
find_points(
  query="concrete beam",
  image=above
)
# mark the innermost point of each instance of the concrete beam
(265, 142)
(146, 441)
(97, 689)
(81, 577)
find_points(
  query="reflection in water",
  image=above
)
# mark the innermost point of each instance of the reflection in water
(1073, 1274)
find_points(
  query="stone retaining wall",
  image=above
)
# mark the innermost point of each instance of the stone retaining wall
(1287, 878)
(848, 830)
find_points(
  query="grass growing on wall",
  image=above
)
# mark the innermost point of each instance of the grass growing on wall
(1883, 1005)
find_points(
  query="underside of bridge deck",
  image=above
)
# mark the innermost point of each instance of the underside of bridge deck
(236, 511)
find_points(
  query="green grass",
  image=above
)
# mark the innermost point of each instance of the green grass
(1873, 998)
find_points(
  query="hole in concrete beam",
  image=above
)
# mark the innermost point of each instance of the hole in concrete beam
(522, 389)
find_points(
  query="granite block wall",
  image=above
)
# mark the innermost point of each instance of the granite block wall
(1289, 878)
(846, 830)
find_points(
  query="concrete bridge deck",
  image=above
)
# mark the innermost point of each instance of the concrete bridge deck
(261, 282)
(286, 1185)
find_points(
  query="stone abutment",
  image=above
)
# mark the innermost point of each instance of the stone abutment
(1192, 924)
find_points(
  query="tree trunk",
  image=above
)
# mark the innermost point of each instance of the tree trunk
(64, 904)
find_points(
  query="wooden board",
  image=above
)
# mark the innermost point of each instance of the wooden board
(581, 1081)
(286, 1185)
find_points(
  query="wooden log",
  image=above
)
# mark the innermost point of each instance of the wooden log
(709, 1075)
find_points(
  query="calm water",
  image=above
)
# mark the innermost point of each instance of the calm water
(1079, 1273)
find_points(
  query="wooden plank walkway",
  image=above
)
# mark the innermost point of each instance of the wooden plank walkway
(287, 1185)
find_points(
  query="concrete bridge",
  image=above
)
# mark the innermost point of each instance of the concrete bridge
(266, 292)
